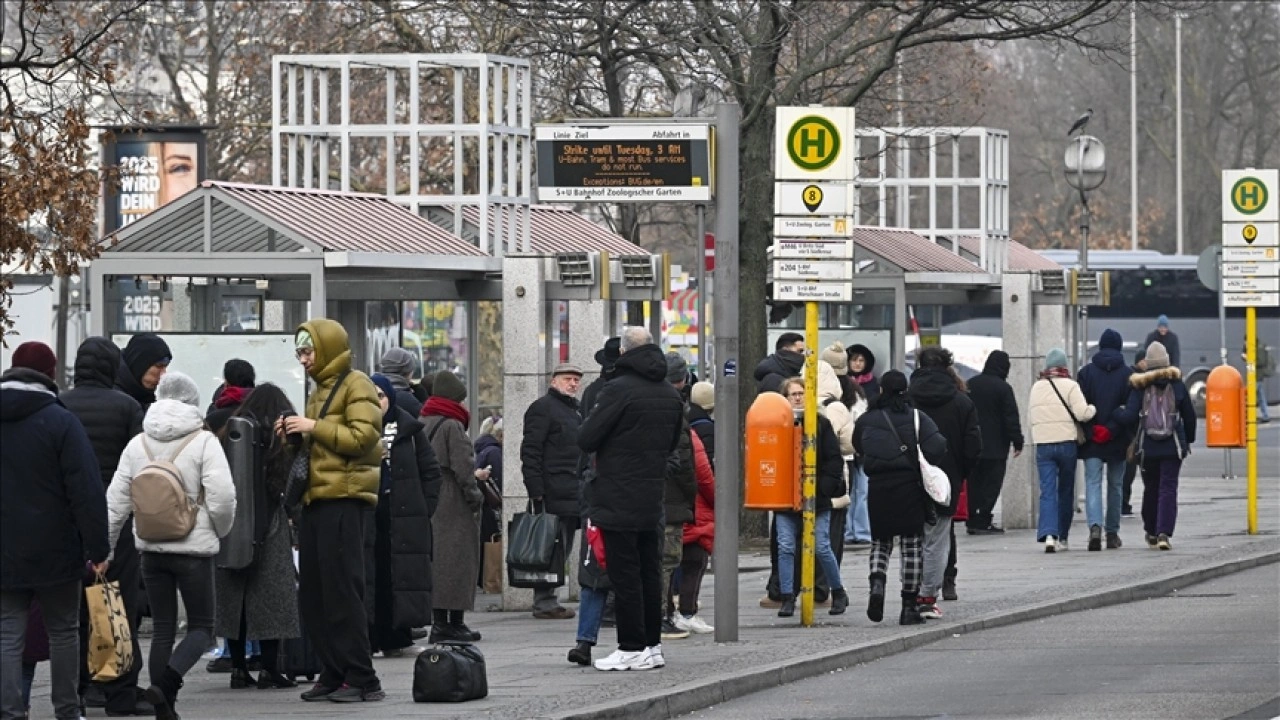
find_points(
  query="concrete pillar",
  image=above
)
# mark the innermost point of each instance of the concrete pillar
(1020, 496)
(523, 381)
(588, 329)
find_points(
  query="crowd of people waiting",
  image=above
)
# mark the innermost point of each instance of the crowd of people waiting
(383, 464)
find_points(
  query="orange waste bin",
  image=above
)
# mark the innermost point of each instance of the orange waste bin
(1224, 408)
(772, 466)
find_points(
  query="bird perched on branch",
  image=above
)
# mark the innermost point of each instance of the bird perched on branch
(1080, 123)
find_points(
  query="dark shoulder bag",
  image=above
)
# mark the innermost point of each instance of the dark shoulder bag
(300, 471)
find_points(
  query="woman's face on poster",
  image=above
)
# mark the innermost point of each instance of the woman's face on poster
(177, 170)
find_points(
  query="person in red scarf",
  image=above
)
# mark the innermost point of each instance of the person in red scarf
(238, 378)
(455, 527)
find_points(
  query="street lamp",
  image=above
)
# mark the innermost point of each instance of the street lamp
(1085, 164)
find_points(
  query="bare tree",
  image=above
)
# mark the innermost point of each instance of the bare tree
(53, 72)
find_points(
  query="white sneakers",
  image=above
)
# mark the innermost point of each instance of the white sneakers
(655, 657)
(648, 659)
(693, 624)
(1051, 544)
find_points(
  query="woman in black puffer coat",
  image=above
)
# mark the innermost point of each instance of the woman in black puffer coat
(398, 544)
(884, 439)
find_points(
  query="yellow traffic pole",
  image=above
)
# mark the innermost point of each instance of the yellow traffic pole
(808, 487)
(1251, 414)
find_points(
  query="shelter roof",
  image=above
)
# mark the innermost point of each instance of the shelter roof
(262, 218)
(910, 251)
(1021, 257)
(552, 229)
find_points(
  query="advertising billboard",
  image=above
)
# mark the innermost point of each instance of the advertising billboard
(150, 170)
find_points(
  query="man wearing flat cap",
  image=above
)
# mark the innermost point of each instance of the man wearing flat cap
(549, 462)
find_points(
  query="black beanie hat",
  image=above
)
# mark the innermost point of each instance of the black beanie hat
(143, 351)
(238, 373)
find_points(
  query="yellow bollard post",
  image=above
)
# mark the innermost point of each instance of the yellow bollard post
(808, 488)
(1251, 415)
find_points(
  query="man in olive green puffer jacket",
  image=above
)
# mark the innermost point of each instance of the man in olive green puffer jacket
(346, 455)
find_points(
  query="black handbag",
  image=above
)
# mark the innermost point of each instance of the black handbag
(450, 673)
(299, 480)
(532, 539)
(552, 576)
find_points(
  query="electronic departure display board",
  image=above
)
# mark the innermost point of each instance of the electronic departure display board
(624, 163)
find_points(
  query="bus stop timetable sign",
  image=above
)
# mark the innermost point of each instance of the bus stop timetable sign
(624, 163)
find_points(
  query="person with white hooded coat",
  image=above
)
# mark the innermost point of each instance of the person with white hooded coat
(176, 424)
(842, 417)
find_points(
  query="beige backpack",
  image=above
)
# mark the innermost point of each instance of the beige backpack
(162, 510)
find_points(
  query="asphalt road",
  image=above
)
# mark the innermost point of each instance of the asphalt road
(1211, 651)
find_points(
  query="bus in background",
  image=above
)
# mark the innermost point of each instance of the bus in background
(1145, 285)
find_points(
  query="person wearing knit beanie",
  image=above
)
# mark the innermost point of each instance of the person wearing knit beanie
(703, 395)
(837, 357)
(397, 365)
(178, 386)
(677, 370)
(36, 356)
(1157, 356)
(1056, 358)
(448, 386)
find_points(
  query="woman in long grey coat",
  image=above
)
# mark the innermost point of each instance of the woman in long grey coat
(456, 523)
(260, 601)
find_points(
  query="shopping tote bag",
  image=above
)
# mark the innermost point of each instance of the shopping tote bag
(110, 642)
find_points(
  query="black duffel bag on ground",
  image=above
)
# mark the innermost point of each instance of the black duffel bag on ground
(450, 673)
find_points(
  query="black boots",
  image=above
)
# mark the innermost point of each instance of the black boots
(447, 627)
(788, 606)
(163, 695)
(460, 627)
(910, 614)
(240, 679)
(949, 589)
(581, 654)
(839, 601)
(875, 605)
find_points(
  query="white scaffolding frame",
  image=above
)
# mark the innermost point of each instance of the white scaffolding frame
(491, 109)
(991, 181)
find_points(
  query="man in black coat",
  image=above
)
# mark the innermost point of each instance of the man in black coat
(1001, 428)
(146, 358)
(787, 361)
(111, 419)
(633, 428)
(935, 390)
(549, 464)
(1166, 337)
(53, 517)
(1105, 384)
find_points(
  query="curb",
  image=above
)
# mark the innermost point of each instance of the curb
(689, 697)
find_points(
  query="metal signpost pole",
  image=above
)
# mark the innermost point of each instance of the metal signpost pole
(808, 494)
(1251, 414)
(728, 427)
(1228, 473)
(701, 308)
